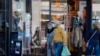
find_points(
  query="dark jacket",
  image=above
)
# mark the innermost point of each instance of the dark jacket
(95, 38)
(50, 35)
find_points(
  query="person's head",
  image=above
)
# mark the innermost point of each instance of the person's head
(96, 25)
(18, 12)
(84, 12)
(49, 25)
(56, 23)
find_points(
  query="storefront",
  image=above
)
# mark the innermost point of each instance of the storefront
(22, 23)
(23, 19)
(5, 16)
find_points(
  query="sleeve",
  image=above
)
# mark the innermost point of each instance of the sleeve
(64, 35)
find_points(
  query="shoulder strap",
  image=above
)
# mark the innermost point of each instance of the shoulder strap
(92, 35)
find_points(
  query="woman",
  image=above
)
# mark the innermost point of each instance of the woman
(59, 39)
(93, 40)
(50, 35)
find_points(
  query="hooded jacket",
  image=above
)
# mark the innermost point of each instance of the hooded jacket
(59, 35)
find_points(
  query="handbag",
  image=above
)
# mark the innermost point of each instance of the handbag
(90, 38)
(65, 51)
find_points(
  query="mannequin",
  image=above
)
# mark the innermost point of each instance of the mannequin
(27, 32)
(76, 38)
(15, 20)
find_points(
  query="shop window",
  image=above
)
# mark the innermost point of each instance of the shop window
(16, 0)
(4, 25)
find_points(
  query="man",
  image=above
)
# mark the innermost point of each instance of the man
(50, 35)
(59, 38)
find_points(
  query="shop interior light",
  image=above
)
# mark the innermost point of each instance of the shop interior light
(57, 4)
(78, 13)
(58, 16)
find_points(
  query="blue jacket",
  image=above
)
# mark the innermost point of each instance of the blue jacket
(50, 37)
(95, 38)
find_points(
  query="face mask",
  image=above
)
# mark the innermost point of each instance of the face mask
(54, 25)
(49, 27)
(62, 25)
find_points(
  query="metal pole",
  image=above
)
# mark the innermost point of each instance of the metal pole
(8, 30)
(50, 18)
(8, 16)
(89, 13)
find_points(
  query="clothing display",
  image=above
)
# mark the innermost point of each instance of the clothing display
(15, 22)
(76, 39)
(27, 33)
(36, 39)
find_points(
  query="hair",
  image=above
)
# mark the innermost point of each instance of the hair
(49, 23)
(85, 7)
(96, 24)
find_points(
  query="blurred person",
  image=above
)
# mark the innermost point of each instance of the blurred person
(84, 19)
(84, 15)
(59, 39)
(50, 35)
(93, 40)
(84, 28)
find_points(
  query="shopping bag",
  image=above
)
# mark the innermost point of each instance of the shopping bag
(65, 51)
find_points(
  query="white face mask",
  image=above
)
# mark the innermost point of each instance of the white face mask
(54, 25)
(49, 27)
(63, 26)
